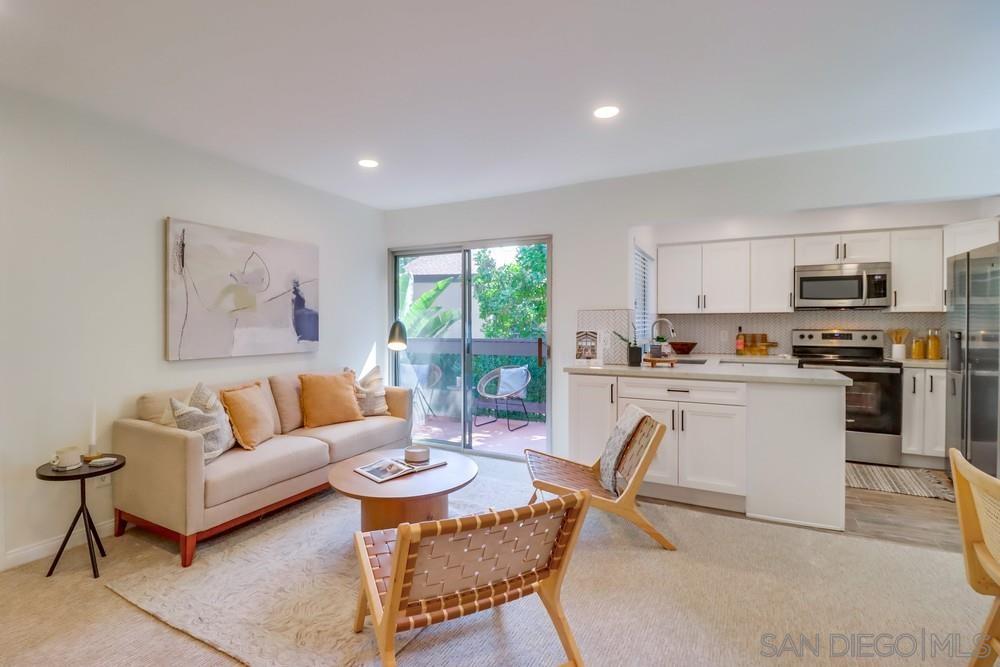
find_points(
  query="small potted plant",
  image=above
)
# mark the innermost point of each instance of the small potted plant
(634, 350)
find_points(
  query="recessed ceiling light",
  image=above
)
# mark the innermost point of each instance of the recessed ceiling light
(368, 164)
(606, 112)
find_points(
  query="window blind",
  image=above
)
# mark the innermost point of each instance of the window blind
(642, 275)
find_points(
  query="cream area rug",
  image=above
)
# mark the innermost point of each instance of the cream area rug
(282, 591)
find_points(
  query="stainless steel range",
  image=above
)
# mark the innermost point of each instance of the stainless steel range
(875, 400)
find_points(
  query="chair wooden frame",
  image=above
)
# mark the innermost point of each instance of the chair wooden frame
(390, 617)
(982, 570)
(625, 504)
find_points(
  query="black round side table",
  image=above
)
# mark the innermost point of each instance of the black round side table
(83, 473)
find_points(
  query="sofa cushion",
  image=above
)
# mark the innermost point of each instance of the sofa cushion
(287, 392)
(240, 471)
(370, 392)
(352, 438)
(329, 399)
(250, 413)
(151, 405)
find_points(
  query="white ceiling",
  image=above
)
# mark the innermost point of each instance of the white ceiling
(460, 99)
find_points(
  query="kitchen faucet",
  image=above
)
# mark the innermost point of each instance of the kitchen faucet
(665, 349)
(671, 332)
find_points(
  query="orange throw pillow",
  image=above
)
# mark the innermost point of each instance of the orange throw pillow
(329, 399)
(249, 414)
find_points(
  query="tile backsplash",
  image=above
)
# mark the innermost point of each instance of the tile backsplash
(717, 333)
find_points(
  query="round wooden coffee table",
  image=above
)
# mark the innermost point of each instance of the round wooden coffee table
(419, 496)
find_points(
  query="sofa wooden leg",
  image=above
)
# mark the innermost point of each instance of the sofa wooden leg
(120, 523)
(188, 544)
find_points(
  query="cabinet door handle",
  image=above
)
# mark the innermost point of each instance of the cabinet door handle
(612, 388)
(837, 247)
(673, 420)
(895, 301)
(789, 299)
(698, 299)
(946, 297)
(682, 420)
(845, 251)
(680, 391)
(704, 301)
(914, 384)
(932, 384)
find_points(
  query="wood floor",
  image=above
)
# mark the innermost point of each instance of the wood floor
(925, 522)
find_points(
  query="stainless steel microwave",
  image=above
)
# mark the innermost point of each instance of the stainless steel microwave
(839, 286)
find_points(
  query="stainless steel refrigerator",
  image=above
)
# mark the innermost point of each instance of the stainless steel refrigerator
(973, 331)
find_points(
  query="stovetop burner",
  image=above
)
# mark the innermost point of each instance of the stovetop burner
(840, 347)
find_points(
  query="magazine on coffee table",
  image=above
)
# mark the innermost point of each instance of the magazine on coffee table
(385, 469)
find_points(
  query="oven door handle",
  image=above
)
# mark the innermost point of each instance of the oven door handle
(885, 370)
(864, 283)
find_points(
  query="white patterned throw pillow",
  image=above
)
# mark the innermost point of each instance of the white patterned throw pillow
(616, 443)
(204, 413)
(370, 392)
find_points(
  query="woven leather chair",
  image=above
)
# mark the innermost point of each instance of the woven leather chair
(977, 498)
(558, 475)
(424, 573)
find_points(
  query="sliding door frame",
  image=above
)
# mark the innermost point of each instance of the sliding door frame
(466, 248)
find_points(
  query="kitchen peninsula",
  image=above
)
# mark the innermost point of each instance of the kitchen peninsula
(766, 439)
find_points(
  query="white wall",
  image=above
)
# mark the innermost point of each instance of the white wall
(82, 203)
(589, 222)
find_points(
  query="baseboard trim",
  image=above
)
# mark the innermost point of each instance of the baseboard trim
(50, 546)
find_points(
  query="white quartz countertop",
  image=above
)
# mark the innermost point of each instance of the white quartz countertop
(713, 369)
(743, 358)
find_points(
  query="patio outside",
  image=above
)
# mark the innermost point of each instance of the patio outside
(508, 315)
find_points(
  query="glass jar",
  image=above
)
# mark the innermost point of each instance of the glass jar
(918, 349)
(933, 343)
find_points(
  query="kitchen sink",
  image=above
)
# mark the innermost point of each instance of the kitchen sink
(692, 361)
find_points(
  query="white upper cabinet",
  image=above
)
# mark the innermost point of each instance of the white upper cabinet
(965, 236)
(772, 275)
(725, 277)
(678, 279)
(843, 248)
(817, 249)
(866, 247)
(916, 278)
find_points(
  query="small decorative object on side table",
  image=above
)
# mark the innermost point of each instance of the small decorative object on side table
(87, 470)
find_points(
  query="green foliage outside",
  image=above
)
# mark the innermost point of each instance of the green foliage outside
(421, 317)
(512, 304)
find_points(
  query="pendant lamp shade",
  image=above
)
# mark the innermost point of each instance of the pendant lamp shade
(397, 336)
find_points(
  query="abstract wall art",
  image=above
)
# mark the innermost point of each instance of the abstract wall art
(232, 293)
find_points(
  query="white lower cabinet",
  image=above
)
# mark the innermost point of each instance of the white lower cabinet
(923, 411)
(934, 406)
(712, 447)
(663, 469)
(705, 444)
(592, 415)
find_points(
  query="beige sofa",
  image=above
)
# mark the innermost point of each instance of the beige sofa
(167, 488)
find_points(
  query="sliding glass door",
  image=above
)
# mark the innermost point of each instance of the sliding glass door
(477, 321)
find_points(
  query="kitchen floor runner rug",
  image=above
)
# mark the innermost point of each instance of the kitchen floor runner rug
(905, 481)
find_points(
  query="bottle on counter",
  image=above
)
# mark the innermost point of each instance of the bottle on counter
(933, 343)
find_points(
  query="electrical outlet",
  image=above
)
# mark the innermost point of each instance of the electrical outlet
(102, 481)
